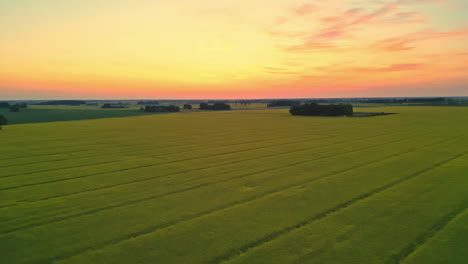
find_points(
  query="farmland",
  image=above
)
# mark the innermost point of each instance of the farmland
(52, 113)
(251, 186)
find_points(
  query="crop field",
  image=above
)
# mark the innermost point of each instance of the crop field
(250, 186)
(53, 113)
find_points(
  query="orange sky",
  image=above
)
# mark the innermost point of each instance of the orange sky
(232, 49)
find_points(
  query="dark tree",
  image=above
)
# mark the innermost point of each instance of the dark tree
(14, 108)
(215, 106)
(113, 106)
(3, 120)
(147, 103)
(63, 102)
(314, 109)
(4, 105)
(22, 105)
(158, 109)
(219, 106)
(204, 106)
(188, 106)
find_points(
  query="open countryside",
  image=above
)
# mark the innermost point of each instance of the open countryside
(234, 132)
(251, 186)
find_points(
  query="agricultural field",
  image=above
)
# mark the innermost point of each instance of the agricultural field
(231, 187)
(52, 113)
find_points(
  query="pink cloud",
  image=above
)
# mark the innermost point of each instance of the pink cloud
(305, 9)
(407, 17)
(408, 42)
(392, 68)
(310, 46)
(281, 20)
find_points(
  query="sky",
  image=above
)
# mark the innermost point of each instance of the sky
(193, 49)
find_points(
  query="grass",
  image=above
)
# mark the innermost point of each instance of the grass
(251, 186)
(50, 113)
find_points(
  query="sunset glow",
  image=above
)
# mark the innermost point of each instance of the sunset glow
(232, 49)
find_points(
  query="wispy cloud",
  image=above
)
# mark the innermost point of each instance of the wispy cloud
(408, 42)
(406, 18)
(278, 70)
(391, 68)
(309, 46)
(342, 26)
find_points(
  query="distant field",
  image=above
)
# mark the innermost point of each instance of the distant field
(252, 186)
(51, 113)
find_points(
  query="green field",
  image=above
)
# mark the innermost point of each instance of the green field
(52, 113)
(251, 186)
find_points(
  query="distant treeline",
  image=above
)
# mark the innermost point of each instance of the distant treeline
(4, 105)
(147, 103)
(13, 107)
(314, 109)
(160, 108)
(113, 106)
(419, 101)
(283, 103)
(215, 106)
(63, 102)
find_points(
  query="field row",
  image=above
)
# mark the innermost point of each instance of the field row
(231, 187)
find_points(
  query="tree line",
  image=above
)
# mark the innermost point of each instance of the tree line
(63, 102)
(283, 103)
(147, 102)
(104, 106)
(215, 106)
(3, 121)
(13, 107)
(161, 108)
(314, 109)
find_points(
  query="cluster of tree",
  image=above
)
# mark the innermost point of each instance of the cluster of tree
(314, 109)
(217, 101)
(63, 102)
(188, 106)
(215, 106)
(160, 108)
(147, 103)
(3, 120)
(13, 107)
(113, 106)
(242, 103)
(4, 105)
(283, 103)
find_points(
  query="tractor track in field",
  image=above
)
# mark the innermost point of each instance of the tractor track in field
(275, 235)
(154, 156)
(208, 167)
(238, 203)
(142, 142)
(149, 165)
(139, 149)
(221, 139)
(426, 236)
(126, 203)
(152, 229)
(66, 151)
(172, 135)
(71, 167)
